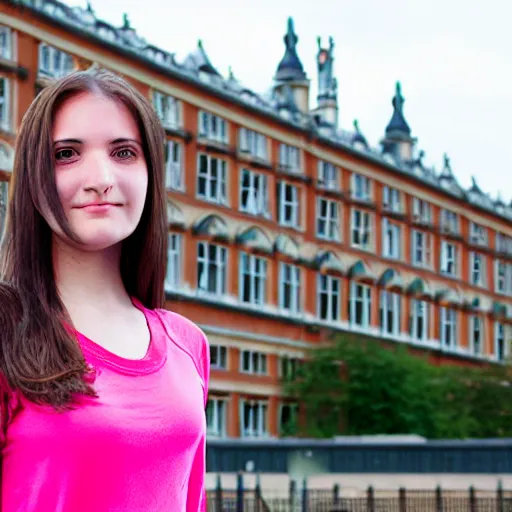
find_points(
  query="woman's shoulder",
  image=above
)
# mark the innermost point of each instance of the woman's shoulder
(189, 337)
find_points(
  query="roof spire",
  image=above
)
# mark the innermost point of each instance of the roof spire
(290, 39)
(398, 124)
(290, 67)
(398, 100)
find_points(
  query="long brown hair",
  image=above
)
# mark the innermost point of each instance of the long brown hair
(38, 355)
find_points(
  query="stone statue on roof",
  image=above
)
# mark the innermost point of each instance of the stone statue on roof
(327, 84)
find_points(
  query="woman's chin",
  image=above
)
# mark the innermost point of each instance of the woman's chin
(99, 241)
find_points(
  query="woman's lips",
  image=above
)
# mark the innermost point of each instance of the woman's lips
(99, 207)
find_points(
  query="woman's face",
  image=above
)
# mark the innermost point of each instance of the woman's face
(100, 171)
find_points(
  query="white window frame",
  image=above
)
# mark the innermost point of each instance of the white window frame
(328, 222)
(289, 158)
(257, 193)
(419, 309)
(474, 321)
(478, 234)
(421, 211)
(328, 175)
(449, 264)
(391, 199)
(503, 283)
(363, 230)
(258, 418)
(477, 269)
(293, 205)
(500, 334)
(174, 261)
(257, 362)
(361, 187)
(390, 305)
(221, 356)
(255, 267)
(6, 50)
(218, 266)
(330, 287)
(215, 187)
(449, 222)
(426, 249)
(449, 319)
(66, 62)
(216, 421)
(503, 243)
(365, 298)
(391, 239)
(212, 127)
(253, 143)
(174, 178)
(168, 109)
(290, 280)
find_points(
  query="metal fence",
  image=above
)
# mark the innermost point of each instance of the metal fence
(310, 500)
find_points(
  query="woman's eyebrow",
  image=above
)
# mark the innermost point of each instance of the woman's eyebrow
(67, 141)
(125, 139)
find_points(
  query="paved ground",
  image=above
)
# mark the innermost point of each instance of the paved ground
(351, 484)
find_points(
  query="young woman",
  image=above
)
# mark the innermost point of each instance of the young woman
(102, 392)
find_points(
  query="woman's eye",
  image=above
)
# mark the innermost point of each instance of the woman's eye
(125, 153)
(64, 154)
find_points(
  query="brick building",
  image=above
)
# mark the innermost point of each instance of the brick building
(280, 223)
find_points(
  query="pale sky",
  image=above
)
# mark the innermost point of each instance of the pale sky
(452, 57)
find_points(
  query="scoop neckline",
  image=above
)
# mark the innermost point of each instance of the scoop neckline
(151, 362)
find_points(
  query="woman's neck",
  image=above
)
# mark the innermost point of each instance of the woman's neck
(88, 281)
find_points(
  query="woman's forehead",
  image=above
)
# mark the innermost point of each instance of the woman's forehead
(89, 116)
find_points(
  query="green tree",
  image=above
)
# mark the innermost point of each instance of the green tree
(362, 386)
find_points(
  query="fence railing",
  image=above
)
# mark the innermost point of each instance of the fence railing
(333, 500)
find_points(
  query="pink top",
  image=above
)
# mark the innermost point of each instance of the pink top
(140, 446)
